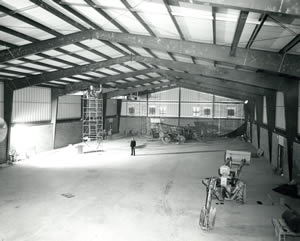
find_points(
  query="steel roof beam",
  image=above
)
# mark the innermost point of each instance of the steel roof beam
(238, 31)
(290, 45)
(256, 30)
(43, 78)
(112, 78)
(137, 89)
(291, 7)
(259, 79)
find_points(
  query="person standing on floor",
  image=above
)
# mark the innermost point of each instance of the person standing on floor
(132, 145)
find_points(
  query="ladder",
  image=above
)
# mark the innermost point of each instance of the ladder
(92, 119)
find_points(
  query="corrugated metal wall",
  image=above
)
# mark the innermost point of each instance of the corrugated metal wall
(1, 99)
(265, 118)
(194, 104)
(167, 95)
(163, 109)
(195, 96)
(32, 104)
(196, 110)
(280, 115)
(134, 108)
(69, 107)
(222, 110)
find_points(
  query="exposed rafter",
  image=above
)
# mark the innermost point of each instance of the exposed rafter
(238, 31)
(112, 78)
(290, 7)
(215, 82)
(225, 89)
(139, 82)
(256, 30)
(263, 80)
(290, 45)
(43, 78)
(138, 89)
(213, 91)
(250, 58)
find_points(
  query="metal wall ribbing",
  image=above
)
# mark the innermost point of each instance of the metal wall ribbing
(32, 104)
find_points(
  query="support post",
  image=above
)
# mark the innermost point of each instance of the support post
(291, 92)
(271, 111)
(54, 111)
(119, 108)
(8, 108)
(179, 105)
(259, 116)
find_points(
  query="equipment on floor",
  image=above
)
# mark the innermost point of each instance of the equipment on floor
(208, 213)
(282, 230)
(178, 134)
(228, 184)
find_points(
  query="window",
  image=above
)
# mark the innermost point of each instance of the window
(131, 110)
(206, 111)
(196, 111)
(230, 112)
(162, 110)
(152, 110)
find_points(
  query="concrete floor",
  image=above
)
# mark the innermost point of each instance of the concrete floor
(156, 195)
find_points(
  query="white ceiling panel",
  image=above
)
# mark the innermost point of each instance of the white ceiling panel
(27, 29)
(162, 55)
(141, 51)
(196, 29)
(48, 19)
(135, 65)
(246, 34)
(154, 75)
(67, 13)
(272, 38)
(108, 71)
(105, 49)
(55, 63)
(96, 74)
(90, 55)
(224, 32)
(37, 66)
(122, 68)
(72, 59)
(183, 58)
(25, 71)
(12, 39)
(128, 21)
(96, 18)
(161, 25)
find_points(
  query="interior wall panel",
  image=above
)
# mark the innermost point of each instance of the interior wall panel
(167, 95)
(265, 119)
(195, 96)
(264, 142)
(69, 107)
(111, 107)
(32, 104)
(280, 115)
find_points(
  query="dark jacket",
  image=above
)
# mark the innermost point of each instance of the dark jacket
(133, 143)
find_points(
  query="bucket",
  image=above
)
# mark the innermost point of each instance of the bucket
(79, 149)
